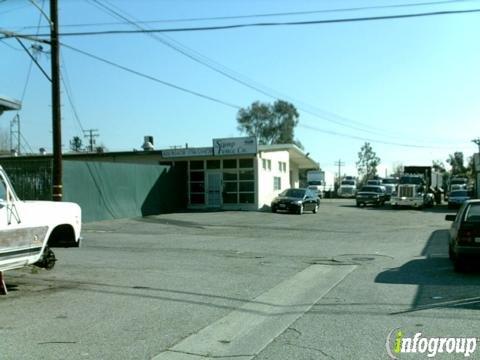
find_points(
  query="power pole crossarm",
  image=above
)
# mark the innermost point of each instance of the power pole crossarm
(91, 134)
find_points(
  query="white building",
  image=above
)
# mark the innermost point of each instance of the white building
(237, 174)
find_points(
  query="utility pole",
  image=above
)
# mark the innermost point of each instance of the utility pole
(13, 132)
(339, 163)
(477, 141)
(57, 188)
(91, 134)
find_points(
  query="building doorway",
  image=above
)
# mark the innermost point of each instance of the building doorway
(214, 189)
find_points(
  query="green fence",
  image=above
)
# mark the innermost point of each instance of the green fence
(104, 190)
(31, 179)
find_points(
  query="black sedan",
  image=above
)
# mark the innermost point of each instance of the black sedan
(464, 235)
(373, 195)
(297, 201)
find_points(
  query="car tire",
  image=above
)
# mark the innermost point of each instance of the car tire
(451, 254)
(300, 210)
(458, 264)
(315, 209)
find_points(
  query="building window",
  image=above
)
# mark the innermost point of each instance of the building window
(196, 165)
(269, 164)
(246, 181)
(197, 182)
(238, 179)
(247, 198)
(284, 166)
(277, 183)
(264, 164)
(213, 164)
(230, 186)
(230, 164)
(246, 163)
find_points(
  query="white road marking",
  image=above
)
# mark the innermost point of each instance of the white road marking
(246, 331)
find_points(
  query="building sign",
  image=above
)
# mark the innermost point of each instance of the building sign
(187, 152)
(235, 146)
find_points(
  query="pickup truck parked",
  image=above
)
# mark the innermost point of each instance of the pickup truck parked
(29, 229)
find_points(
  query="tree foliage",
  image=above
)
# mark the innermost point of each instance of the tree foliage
(367, 162)
(270, 123)
(76, 144)
(456, 160)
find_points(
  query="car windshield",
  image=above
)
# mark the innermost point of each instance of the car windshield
(458, 194)
(473, 213)
(371, 189)
(458, 182)
(295, 193)
(389, 181)
(417, 180)
(348, 182)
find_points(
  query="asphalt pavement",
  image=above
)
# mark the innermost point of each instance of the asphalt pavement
(244, 285)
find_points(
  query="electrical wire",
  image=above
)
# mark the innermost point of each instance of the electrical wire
(264, 24)
(235, 76)
(68, 90)
(27, 80)
(138, 73)
(266, 15)
(238, 107)
(2, 41)
(355, 137)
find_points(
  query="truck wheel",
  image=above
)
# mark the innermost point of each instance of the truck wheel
(315, 209)
(47, 261)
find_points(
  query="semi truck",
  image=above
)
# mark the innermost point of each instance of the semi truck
(419, 187)
(348, 187)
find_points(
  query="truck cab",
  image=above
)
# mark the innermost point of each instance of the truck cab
(29, 229)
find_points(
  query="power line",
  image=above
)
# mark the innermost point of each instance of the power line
(266, 15)
(68, 91)
(235, 76)
(138, 73)
(265, 24)
(2, 41)
(355, 137)
(237, 107)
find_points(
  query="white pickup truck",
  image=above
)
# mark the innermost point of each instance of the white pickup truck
(29, 229)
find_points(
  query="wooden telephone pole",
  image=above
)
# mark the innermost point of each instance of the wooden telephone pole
(57, 188)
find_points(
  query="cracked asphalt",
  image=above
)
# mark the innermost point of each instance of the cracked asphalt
(138, 287)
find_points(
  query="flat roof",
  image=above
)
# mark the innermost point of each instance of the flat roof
(295, 153)
(7, 104)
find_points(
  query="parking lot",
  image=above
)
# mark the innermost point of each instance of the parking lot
(244, 285)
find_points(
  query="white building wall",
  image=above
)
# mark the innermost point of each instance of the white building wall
(294, 176)
(266, 176)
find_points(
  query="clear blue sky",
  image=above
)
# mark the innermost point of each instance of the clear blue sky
(406, 81)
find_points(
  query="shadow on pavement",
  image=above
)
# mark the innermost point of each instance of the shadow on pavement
(438, 209)
(438, 284)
